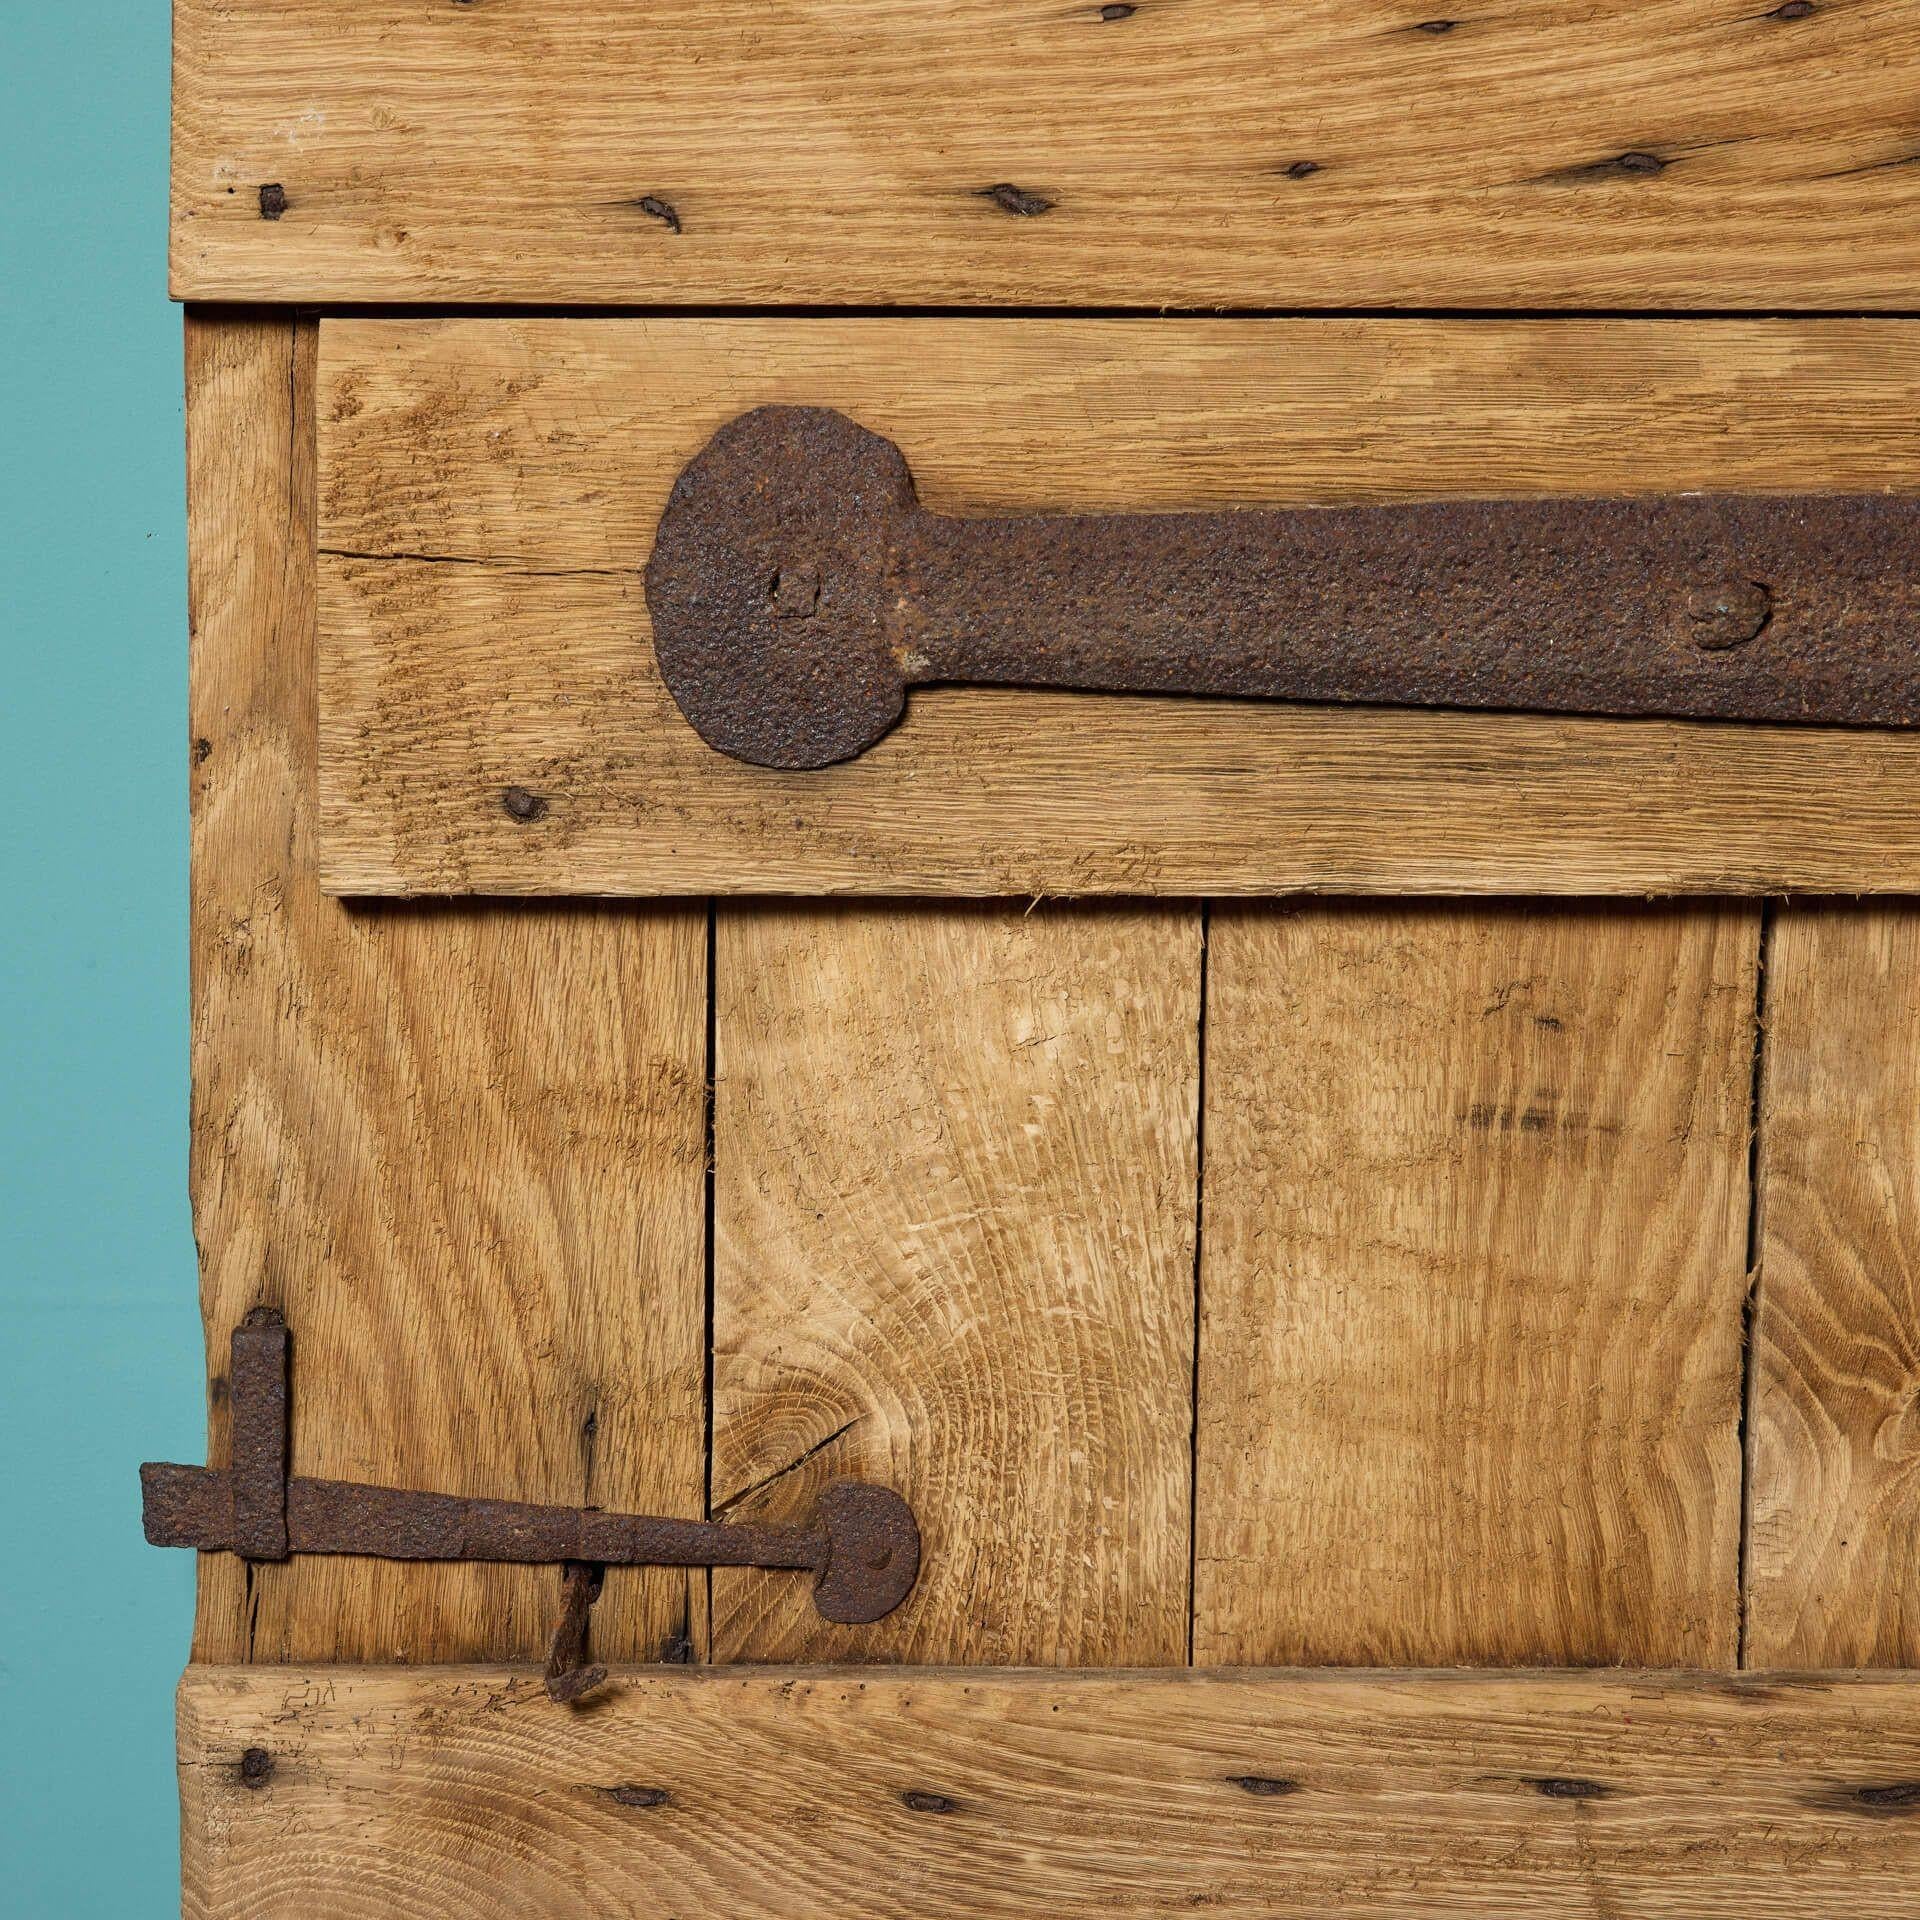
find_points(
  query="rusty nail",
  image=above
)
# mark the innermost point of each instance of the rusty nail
(638, 1796)
(1016, 200)
(1896, 1797)
(570, 1676)
(795, 592)
(921, 1801)
(1729, 615)
(1556, 1787)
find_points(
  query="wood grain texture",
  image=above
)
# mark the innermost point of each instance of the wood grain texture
(1337, 152)
(955, 1166)
(490, 489)
(1473, 1270)
(951, 1796)
(460, 1148)
(1834, 1428)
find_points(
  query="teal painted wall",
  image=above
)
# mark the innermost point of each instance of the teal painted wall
(99, 1342)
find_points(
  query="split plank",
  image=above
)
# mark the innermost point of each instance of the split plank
(490, 490)
(1473, 1272)
(955, 1169)
(461, 1149)
(950, 1796)
(1835, 1426)
(1628, 153)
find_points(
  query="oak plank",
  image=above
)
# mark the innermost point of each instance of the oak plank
(461, 1148)
(955, 1169)
(1340, 152)
(1473, 1271)
(873, 1793)
(1834, 1432)
(490, 488)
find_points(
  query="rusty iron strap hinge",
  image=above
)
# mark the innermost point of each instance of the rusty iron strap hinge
(861, 1544)
(797, 589)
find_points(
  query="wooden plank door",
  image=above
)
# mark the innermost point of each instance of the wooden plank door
(1380, 1245)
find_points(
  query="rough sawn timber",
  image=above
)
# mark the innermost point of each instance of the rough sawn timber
(460, 1147)
(955, 1151)
(777, 1793)
(1834, 1425)
(490, 490)
(1473, 1270)
(1347, 153)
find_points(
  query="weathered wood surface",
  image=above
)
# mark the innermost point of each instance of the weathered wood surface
(460, 1147)
(955, 1166)
(1345, 153)
(490, 489)
(949, 1796)
(1835, 1424)
(1473, 1268)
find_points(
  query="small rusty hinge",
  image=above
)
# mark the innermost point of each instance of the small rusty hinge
(797, 588)
(861, 1544)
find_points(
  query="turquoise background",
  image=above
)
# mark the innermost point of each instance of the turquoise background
(99, 1338)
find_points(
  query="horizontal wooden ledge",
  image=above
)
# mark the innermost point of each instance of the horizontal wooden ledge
(1618, 153)
(492, 719)
(882, 1792)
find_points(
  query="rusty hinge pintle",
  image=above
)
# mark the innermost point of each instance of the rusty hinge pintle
(797, 588)
(861, 1544)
